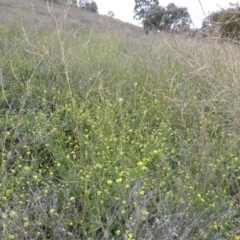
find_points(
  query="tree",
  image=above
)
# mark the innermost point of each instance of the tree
(167, 18)
(110, 14)
(230, 25)
(141, 8)
(153, 18)
(82, 3)
(92, 7)
(211, 20)
(89, 5)
(225, 21)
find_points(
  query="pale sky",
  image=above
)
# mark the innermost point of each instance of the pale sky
(123, 9)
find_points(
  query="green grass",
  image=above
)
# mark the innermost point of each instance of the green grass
(103, 137)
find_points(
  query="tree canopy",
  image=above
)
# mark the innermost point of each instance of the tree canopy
(110, 14)
(89, 5)
(166, 18)
(142, 7)
(226, 21)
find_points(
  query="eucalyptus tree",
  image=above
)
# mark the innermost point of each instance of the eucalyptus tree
(169, 18)
(142, 7)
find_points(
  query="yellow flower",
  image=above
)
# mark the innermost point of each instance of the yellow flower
(215, 225)
(8, 192)
(130, 236)
(12, 213)
(119, 180)
(98, 165)
(144, 213)
(4, 198)
(51, 211)
(26, 224)
(123, 211)
(140, 163)
(109, 182)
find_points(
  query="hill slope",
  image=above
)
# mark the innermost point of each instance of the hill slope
(34, 10)
(107, 135)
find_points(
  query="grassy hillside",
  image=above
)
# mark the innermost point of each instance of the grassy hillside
(36, 13)
(108, 134)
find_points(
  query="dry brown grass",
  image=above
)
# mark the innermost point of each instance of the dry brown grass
(36, 10)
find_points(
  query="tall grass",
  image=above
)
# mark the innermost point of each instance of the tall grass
(103, 137)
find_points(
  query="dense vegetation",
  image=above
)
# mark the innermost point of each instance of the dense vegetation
(225, 21)
(224, 24)
(169, 18)
(108, 137)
